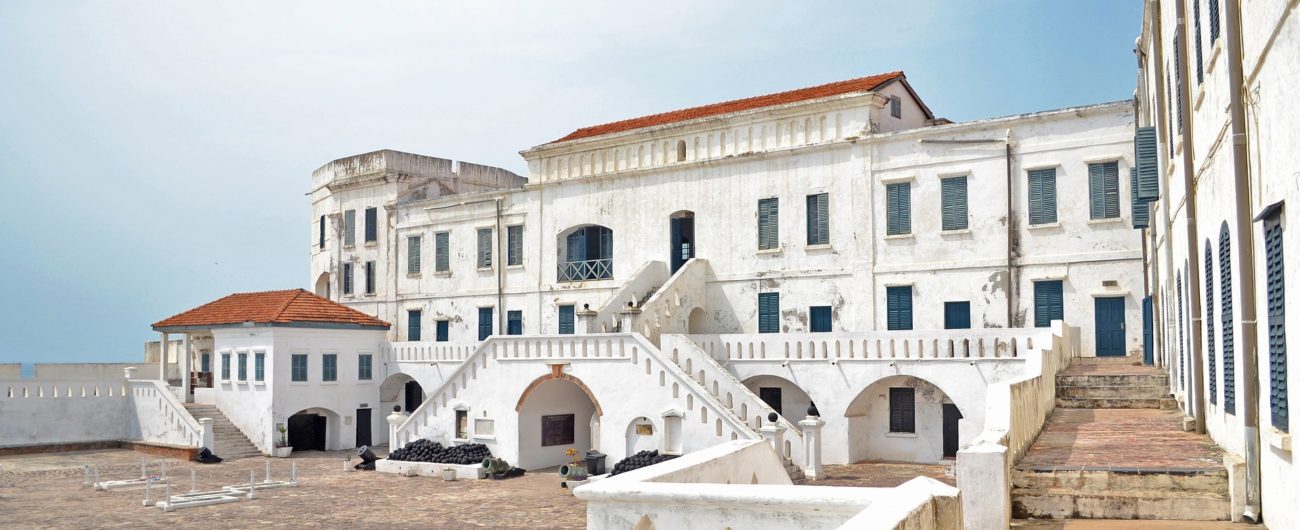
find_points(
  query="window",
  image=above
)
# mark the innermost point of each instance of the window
(515, 245)
(484, 323)
(769, 312)
(347, 278)
(225, 367)
(298, 367)
(1179, 282)
(1178, 76)
(898, 308)
(370, 277)
(514, 322)
(205, 362)
(440, 330)
(1196, 25)
(441, 254)
(681, 150)
(321, 242)
(1042, 196)
(1214, 21)
(1209, 323)
(956, 315)
(484, 248)
(462, 424)
(771, 395)
(1103, 183)
(372, 224)
(413, 324)
(768, 231)
(1276, 304)
(1048, 303)
(329, 367)
(566, 320)
(1225, 312)
(898, 208)
(953, 191)
(819, 319)
(349, 228)
(819, 229)
(588, 255)
(259, 366)
(896, 106)
(365, 367)
(902, 410)
(243, 366)
(413, 255)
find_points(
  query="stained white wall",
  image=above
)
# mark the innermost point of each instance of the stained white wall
(552, 398)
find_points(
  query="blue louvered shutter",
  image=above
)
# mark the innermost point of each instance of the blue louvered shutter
(820, 318)
(349, 228)
(1225, 310)
(441, 330)
(484, 248)
(566, 320)
(442, 254)
(413, 254)
(1181, 351)
(1209, 324)
(484, 322)
(372, 224)
(769, 308)
(321, 243)
(1141, 211)
(818, 219)
(1178, 77)
(1196, 24)
(514, 322)
(1276, 304)
(768, 231)
(413, 318)
(954, 203)
(898, 308)
(898, 208)
(1146, 152)
(1042, 196)
(1214, 21)
(956, 315)
(1048, 303)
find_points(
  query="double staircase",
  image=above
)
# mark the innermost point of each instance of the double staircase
(230, 442)
(1115, 448)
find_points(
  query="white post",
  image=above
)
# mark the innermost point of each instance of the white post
(143, 474)
(194, 480)
(148, 492)
(208, 433)
(167, 493)
(85, 475)
(293, 473)
(162, 469)
(186, 363)
(268, 470)
(983, 468)
(130, 372)
(395, 420)
(252, 482)
(812, 446)
(774, 435)
(162, 358)
(586, 321)
(628, 317)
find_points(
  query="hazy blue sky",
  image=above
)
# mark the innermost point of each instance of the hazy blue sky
(155, 155)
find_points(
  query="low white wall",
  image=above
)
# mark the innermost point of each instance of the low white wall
(63, 411)
(158, 417)
(94, 370)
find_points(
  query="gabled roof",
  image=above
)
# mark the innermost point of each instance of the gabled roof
(292, 307)
(861, 84)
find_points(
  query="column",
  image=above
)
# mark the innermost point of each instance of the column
(812, 446)
(186, 368)
(162, 358)
(586, 318)
(774, 435)
(395, 420)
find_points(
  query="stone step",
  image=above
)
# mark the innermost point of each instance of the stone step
(1127, 360)
(1112, 392)
(1117, 403)
(1212, 481)
(1160, 380)
(1064, 503)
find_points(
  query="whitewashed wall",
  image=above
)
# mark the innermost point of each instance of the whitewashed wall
(41, 412)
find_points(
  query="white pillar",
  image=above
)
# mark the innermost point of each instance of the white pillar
(983, 468)
(812, 446)
(162, 358)
(774, 435)
(186, 367)
(130, 372)
(629, 315)
(209, 435)
(586, 321)
(395, 420)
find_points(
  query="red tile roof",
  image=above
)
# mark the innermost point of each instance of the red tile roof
(271, 307)
(860, 84)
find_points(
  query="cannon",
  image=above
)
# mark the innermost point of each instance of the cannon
(495, 465)
(573, 472)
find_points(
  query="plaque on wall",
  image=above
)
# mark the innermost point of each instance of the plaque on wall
(557, 430)
(645, 429)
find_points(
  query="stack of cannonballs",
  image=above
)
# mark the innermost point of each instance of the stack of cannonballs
(423, 450)
(639, 460)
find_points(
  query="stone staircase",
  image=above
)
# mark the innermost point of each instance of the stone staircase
(230, 442)
(795, 472)
(1115, 449)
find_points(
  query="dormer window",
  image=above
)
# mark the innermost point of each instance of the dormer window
(896, 106)
(681, 150)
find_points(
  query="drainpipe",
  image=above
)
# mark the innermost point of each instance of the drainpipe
(1159, 299)
(501, 269)
(1195, 369)
(1245, 260)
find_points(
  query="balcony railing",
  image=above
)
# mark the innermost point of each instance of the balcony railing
(595, 269)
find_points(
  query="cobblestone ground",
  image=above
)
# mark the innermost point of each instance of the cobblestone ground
(44, 491)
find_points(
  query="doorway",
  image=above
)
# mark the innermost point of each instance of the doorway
(307, 431)
(414, 396)
(363, 427)
(951, 415)
(1109, 316)
(771, 396)
(682, 229)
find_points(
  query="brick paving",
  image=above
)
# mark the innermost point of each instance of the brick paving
(1102, 524)
(48, 494)
(1111, 369)
(871, 474)
(1131, 438)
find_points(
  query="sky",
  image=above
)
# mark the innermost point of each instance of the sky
(155, 156)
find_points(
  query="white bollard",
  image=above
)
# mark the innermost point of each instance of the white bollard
(142, 473)
(148, 493)
(293, 473)
(193, 481)
(85, 475)
(268, 470)
(167, 493)
(162, 469)
(252, 483)
(96, 474)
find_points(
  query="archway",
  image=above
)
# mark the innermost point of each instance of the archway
(697, 322)
(681, 229)
(314, 429)
(323, 285)
(642, 435)
(781, 394)
(400, 389)
(555, 413)
(901, 418)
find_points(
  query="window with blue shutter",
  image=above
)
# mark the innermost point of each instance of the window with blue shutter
(1146, 153)
(1181, 351)
(819, 229)
(515, 245)
(413, 317)
(1178, 76)
(484, 323)
(898, 208)
(413, 254)
(370, 277)
(484, 248)
(205, 363)
(259, 366)
(347, 278)
(1169, 103)
(1042, 196)
(896, 106)
(1049, 302)
(1103, 185)
(441, 330)
(1214, 21)
(349, 228)
(768, 230)
(243, 366)
(514, 322)
(365, 367)
(898, 308)
(1226, 319)
(956, 315)
(769, 312)
(1209, 324)
(902, 409)
(953, 191)
(372, 224)
(819, 319)
(321, 244)
(329, 367)
(1275, 288)
(298, 367)
(1141, 211)
(225, 366)
(441, 254)
(566, 319)
(1196, 25)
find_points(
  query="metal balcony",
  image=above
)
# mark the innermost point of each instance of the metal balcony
(577, 271)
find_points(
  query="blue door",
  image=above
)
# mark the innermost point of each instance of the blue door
(1110, 327)
(1148, 353)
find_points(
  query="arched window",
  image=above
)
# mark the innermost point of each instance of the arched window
(1209, 323)
(1225, 312)
(588, 254)
(681, 150)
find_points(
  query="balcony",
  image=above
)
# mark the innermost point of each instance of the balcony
(577, 271)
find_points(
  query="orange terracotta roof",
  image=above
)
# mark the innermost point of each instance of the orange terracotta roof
(293, 306)
(860, 84)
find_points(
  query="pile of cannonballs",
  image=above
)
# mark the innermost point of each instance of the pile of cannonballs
(639, 460)
(424, 450)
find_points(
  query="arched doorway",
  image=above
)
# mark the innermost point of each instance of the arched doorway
(313, 429)
(696, 322)
(400, 389)
(681, 227)
(555, 413)
(902, 418)
(323, 285)
(779, 393)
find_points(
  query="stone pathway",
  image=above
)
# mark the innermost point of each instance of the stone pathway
(871, 474)
(1132, 438)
